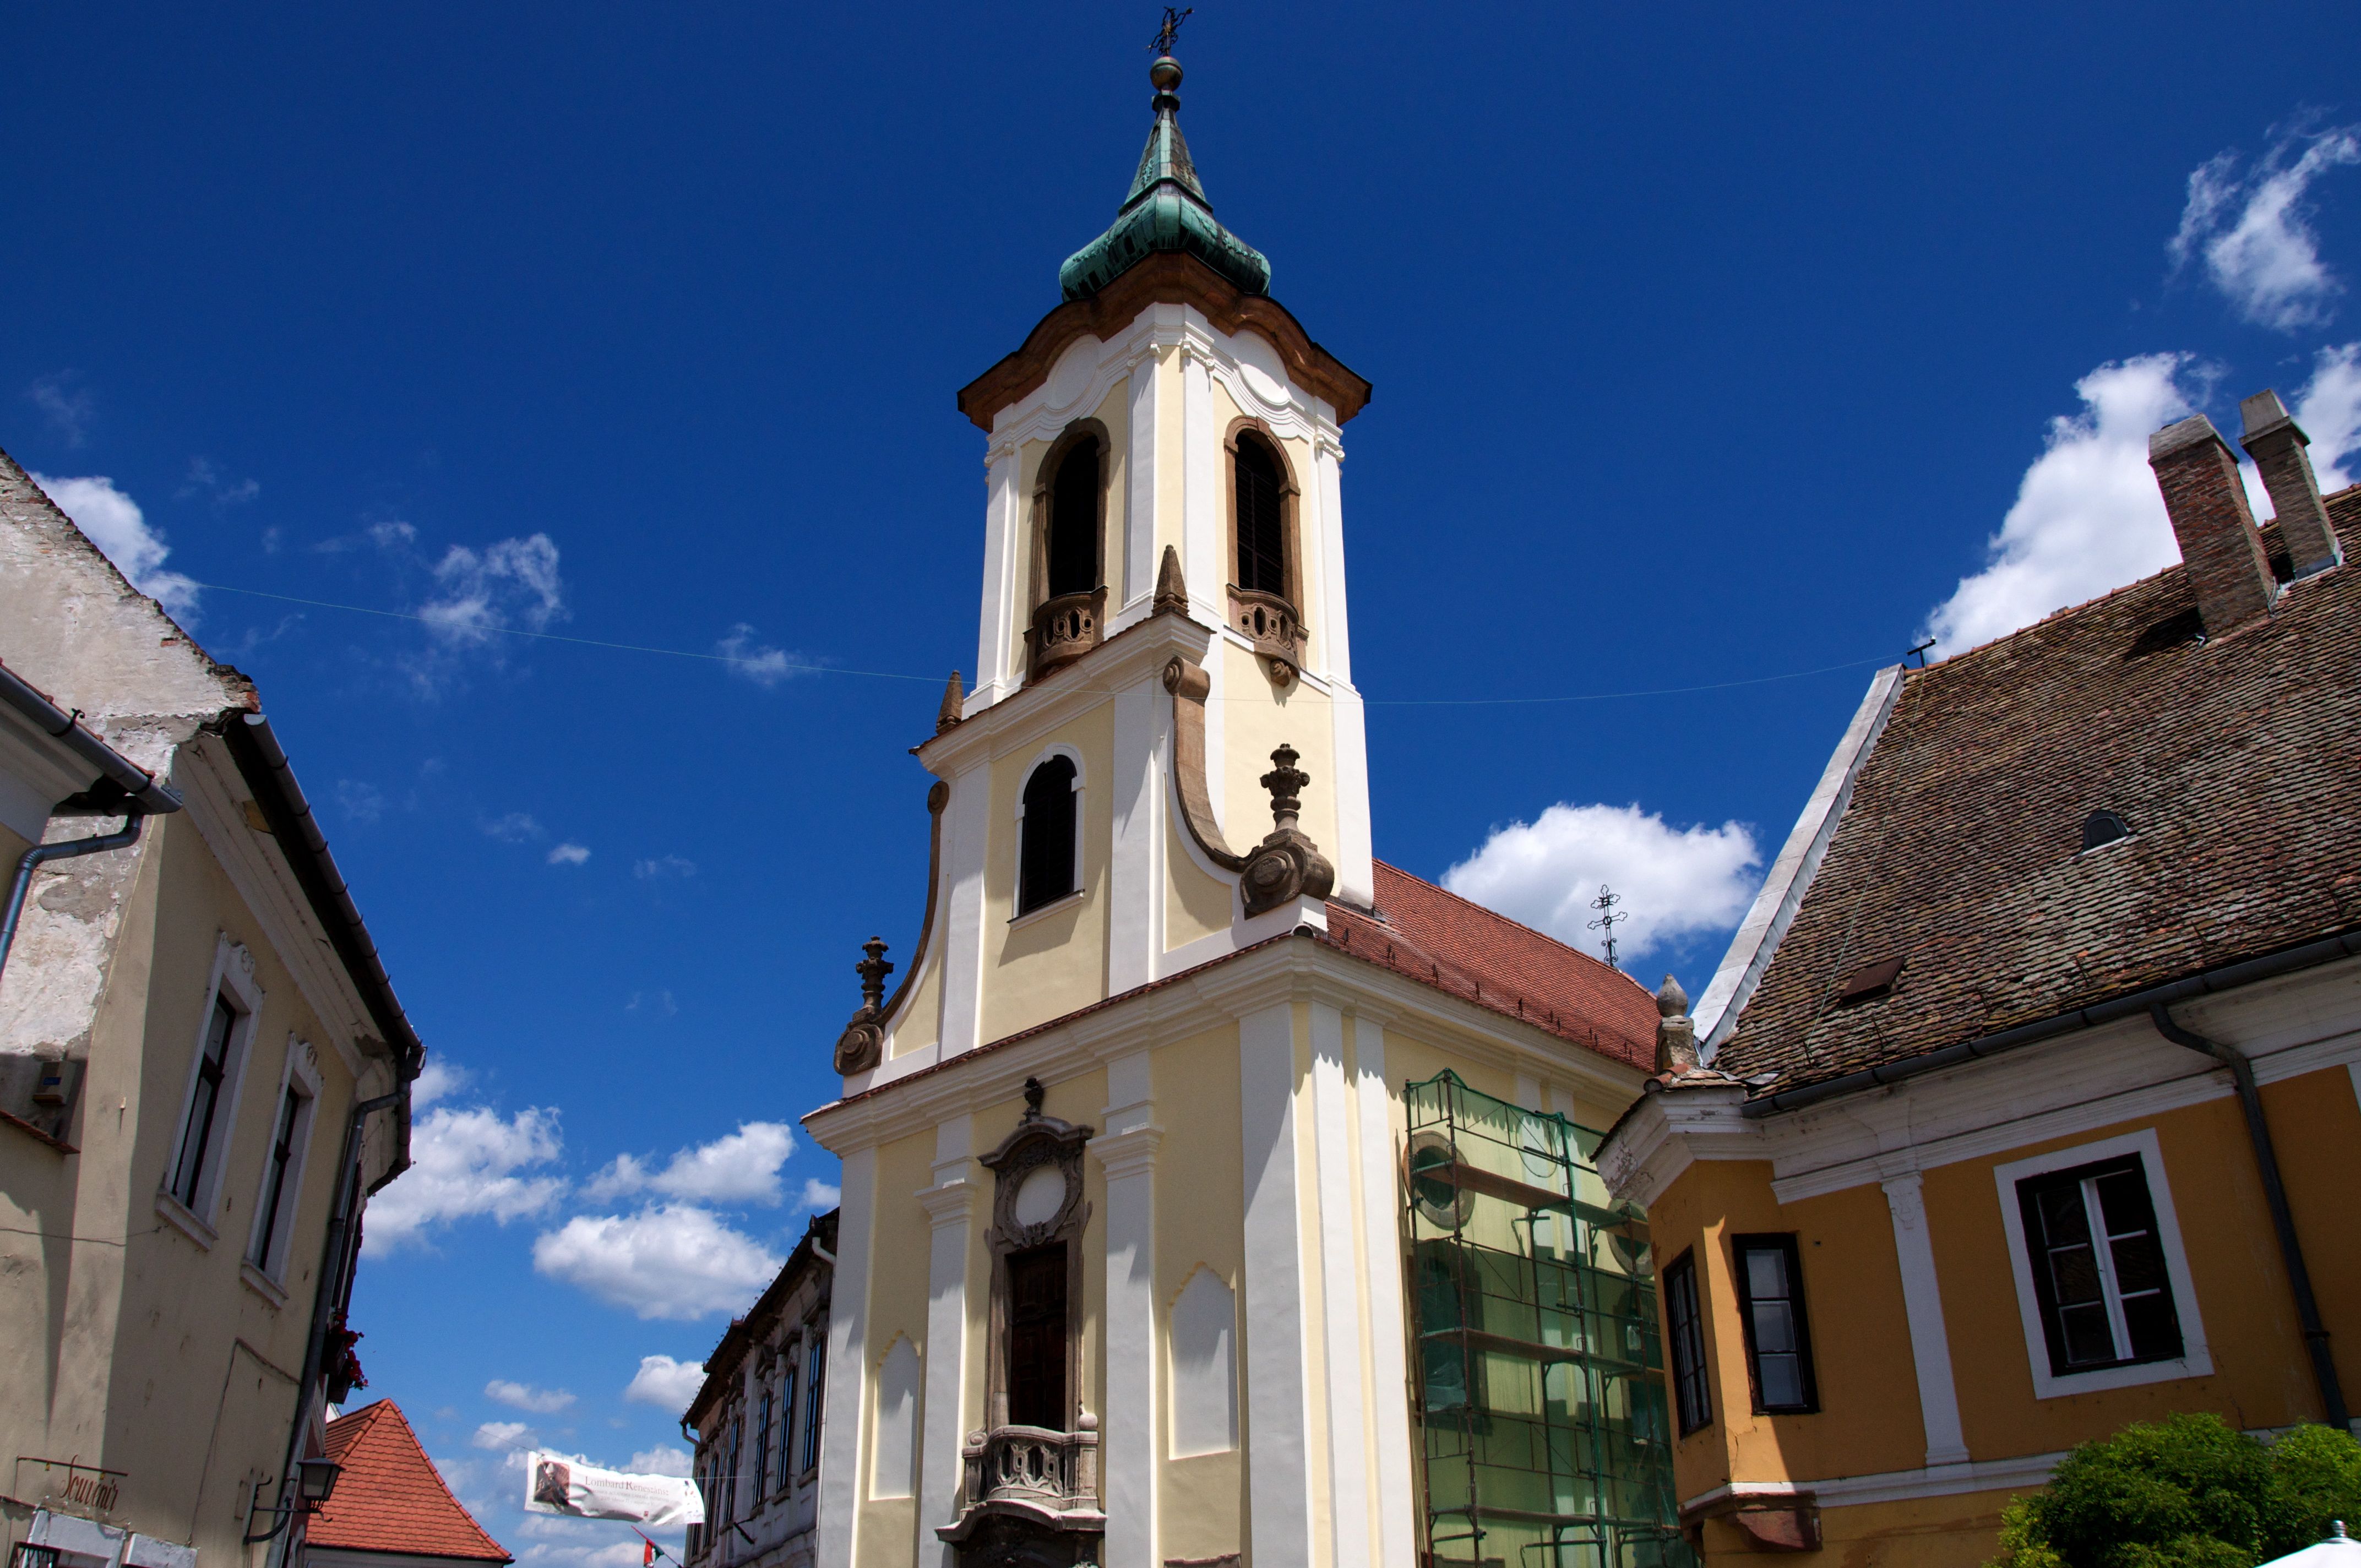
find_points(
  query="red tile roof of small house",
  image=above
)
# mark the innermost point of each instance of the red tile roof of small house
(1441, 939)
(390, 1498)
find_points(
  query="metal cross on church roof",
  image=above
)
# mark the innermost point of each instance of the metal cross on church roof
(1170, 31)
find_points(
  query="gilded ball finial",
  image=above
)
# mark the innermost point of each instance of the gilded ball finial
(1164, 75)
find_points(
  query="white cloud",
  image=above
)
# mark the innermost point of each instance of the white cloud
(464, 1163)
(759, 662)
(665, 1383)
(740, 1168)
(480, 592)
(70, 412)
(525, 1397)
(361, 800)
(670, 1260)
(652, 1002)
(2088, 517)
(2252, 231)
(437, 1080)
(2329, 410)
(113, 522)
(664, 866)
(819, 1196)
(205, 477)
(499, 1436)
(568, 855)
(661, 1461)
(1674, 882)
(513, 829)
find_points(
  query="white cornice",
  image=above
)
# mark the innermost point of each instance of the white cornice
(1194, 1003)
(1127, 1153)
(215, 804)
(1029, 715)
(2120, 1072)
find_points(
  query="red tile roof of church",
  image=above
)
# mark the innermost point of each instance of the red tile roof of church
(1441, 939)
(390, 1498)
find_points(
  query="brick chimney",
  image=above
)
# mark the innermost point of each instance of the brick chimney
(2277, 444)
(2208, 506)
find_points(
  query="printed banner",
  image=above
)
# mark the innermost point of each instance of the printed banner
(554, 1483)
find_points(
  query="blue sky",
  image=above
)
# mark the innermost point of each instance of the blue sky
(1709, 346)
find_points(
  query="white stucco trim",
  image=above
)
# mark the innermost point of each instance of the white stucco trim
(1279, 1416)
(1397, 1542)
(942, 1424)
(1791, 875)
(2195, 1360)
(1921, 1303)
(1341, 1277)
(846, 1397)
(232, 974)
(302, 1068)
(967, 823)
(1138, 580)
(1204, 561)
(2015, 1474)
(1002, 536)
(1130, 1427)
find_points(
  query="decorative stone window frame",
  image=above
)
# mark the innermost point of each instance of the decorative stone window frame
(1039, 1142)
(2194, 1361)
(301, 1070)
(1082, 883)
(234, 976)
(1042, 654)
(1279, 636)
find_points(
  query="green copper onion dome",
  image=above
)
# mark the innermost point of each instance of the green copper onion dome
(1166, 210)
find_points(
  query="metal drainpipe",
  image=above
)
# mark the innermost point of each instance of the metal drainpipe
(2258, 1132)
(331, 1274)
(41, 854)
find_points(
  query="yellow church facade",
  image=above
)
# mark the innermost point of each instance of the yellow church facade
(1131, 1266)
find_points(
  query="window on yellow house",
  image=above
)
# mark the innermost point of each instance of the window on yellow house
(2099, 1271)
(1684, 1330)
(1778, 1339)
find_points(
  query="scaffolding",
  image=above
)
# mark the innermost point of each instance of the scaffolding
(1538, 1371)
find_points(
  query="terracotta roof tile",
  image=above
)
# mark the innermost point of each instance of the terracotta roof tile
(1441, 939)
(2234, 764)
(390, 1498)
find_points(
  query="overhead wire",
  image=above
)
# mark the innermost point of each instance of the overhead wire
(779, 662)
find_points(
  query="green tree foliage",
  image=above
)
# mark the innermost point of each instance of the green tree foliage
(2185, 1492)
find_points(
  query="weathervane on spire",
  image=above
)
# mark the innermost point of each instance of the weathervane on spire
(1169, 33)
(1607, 920)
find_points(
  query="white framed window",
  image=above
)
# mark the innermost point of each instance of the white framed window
(209, 1107)
(1049, 832)
(2101, 1278)
(279, 1198)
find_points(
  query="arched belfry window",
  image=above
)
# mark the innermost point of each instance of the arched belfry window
(1262, 531)
(1069, 554)
(1265, 601)
(1049, 847)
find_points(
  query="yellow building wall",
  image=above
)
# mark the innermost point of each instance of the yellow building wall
(1196, 904)
(1055, 961)
(899, 1257)
(1200, 1221)
(1959, 1531)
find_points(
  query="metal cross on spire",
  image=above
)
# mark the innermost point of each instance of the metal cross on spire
(1607, 920)
(1169, 33)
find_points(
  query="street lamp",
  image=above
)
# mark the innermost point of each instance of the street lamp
(315, 1479)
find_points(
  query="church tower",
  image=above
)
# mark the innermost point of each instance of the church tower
(1122, 1245)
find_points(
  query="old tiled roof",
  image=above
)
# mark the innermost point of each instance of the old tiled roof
(390, 1498)
(1443, 940)
(2236, 764)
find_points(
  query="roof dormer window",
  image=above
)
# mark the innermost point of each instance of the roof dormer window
(2102, 829)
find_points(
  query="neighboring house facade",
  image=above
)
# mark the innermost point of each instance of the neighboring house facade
(2027, 1106)
(1127, 1269)
(392, 1508)
(203, 1073)
(757, 1422)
